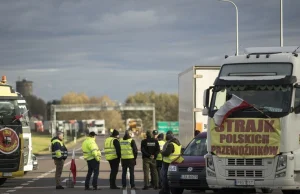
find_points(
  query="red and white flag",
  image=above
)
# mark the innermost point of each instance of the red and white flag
(235, 103)
(73, 167)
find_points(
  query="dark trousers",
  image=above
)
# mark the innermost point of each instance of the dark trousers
(114, 167)
(164, 178)
(131, 172)
(158, 167)
(93, 168)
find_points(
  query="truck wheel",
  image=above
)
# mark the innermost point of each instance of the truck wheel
(290, 191)
(176, 190)
(267, 190)
(2, 180)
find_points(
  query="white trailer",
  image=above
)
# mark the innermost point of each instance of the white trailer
(191, 85)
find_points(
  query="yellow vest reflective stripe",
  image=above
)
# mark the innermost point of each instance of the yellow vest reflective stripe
(175, 155)
(90, 149)
(109, 149)
(161, 145)
(59, 153)
(126, 149)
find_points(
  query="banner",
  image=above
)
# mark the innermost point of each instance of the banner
(246, 138)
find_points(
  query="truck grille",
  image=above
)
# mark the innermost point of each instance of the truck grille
(245, 173)
(9, 162)
(244, 162)
(195, 169)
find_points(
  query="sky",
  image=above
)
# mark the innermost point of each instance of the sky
(120, 47)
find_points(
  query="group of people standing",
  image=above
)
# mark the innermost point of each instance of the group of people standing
(157, 154)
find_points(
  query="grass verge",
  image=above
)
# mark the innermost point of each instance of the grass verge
(41, 143)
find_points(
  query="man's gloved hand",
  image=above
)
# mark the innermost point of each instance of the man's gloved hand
(98, 159)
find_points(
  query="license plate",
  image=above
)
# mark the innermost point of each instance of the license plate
(189, 176)
(244, 182)
(7, 174)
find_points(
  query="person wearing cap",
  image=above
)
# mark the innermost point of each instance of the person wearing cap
(150, 150)
(92, 155)
(128, 158)
(59, 155)
(112, 151)
(171, 153)
(154, 133)
(159, 158)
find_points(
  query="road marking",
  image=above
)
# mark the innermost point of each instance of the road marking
(10, 191)
(35, 179)
(30, 181)
(24, 184)
(19, 187)
(125, 191)
(133, 191)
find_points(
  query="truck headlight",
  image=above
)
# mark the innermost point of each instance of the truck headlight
(172, 168)
(282, 162)
(210, 162)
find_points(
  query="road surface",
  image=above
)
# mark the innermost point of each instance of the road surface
(42, 180)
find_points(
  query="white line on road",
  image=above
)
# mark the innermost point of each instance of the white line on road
(10, 191)
(30, 181)
(24, 184)
(19, 187)
(125, 191)
(35, 179)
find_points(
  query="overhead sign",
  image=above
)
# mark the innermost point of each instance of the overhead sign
(165, 126)
(246, 138)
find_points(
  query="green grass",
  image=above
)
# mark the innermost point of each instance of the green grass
(40, 142)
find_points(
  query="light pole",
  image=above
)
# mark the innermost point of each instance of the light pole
(281, 25)
(237, 25)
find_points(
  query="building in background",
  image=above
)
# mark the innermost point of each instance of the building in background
(24, 87)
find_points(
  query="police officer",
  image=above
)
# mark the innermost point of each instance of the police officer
(155, 134)
(59, 155)
(161, 143)
(171, 153)
(112, 151)
(128, 158)
(150, 150)
(92, 155)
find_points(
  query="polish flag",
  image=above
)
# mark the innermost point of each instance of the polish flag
(73, 167)
(235, 103)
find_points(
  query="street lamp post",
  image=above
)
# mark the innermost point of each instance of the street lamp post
(281, 25)
(237, 25)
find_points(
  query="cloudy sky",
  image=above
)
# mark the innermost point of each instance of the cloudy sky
(119, 47)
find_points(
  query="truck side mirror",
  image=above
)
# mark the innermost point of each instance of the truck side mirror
(206, 98)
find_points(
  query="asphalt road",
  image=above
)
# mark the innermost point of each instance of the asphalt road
(42, 180)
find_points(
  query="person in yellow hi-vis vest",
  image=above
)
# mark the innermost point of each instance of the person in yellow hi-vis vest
(112, 151)
(128, 158)
(92, 155)
(159, 158)
(171, 153)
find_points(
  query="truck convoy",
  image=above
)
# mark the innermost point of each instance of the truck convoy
(253, 122)
(11, 136)
(191, 85)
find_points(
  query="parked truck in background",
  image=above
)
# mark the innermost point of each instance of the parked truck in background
(191, 85)
(100, 125)
(257, 146)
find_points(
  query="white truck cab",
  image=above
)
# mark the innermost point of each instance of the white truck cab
(256, 146)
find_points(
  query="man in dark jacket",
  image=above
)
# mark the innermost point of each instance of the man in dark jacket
(150, 150)
(167, 152)
(128, 158)
(59, 155)
(112, 151)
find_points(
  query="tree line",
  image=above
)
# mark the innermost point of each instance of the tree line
(166, 108)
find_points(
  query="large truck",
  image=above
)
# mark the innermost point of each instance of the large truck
(100, 125)
(253, 111)
(191, 85)
(11, 137)
(135, 125)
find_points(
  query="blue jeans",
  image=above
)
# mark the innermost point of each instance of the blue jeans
(131, 172)
(93, 167)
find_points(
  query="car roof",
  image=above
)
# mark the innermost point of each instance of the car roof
(201, 135)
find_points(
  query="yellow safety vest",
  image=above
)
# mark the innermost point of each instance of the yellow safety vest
(161, 145)
(60, 153)
(175, 156)
(109, 149)
(126, 149)
(90, 149)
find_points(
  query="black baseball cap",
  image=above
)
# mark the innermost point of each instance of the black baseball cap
(154, 132)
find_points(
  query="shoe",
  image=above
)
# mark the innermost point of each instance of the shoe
(96, 188)
(145, 188)
(60, 187)
(133, 188)
(87, 188)
(155, 188)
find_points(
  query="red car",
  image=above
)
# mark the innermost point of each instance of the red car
(191, 173)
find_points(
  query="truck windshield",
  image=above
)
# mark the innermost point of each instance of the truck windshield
(267, 98)
(8, 107)
(197, 147)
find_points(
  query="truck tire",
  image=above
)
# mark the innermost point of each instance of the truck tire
(2, 180)
(290, 191)
(267, 190)
(176, 190)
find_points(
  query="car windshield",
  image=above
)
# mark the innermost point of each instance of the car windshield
(197, 147)
(267, 98)
(8, 107)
